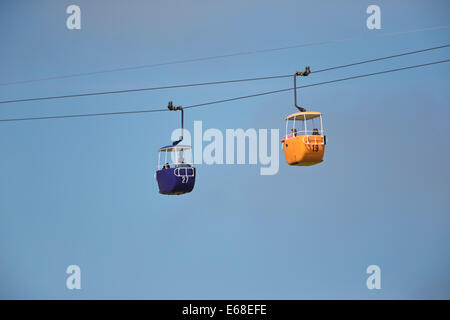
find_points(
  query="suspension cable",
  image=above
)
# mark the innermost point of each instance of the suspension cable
(244, 53)
(225, 100)
(218, 82)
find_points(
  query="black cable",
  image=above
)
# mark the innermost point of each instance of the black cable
(382, 58)
(85, 115)
(223, 56)
(143, 89)
(318, 84)
(230, 99)
(219, 82)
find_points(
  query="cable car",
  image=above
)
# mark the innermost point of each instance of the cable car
(176, 174)
(306, 146)
(175, 177)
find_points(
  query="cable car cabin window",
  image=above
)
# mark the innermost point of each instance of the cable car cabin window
(299, 127)
(174, 158)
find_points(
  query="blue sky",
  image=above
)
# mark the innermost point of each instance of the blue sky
(82, 191)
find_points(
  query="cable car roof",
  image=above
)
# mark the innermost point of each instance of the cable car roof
(172, 148)
(300, 116)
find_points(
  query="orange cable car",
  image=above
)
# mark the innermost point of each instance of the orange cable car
(306, 146)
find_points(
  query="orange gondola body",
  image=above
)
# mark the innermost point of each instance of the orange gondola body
(304, 147)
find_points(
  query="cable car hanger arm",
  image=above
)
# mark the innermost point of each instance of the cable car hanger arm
(171, 107)
(303, 73)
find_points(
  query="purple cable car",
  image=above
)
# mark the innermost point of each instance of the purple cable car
(175, 176)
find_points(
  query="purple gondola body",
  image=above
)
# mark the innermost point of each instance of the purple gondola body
(176, 181)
